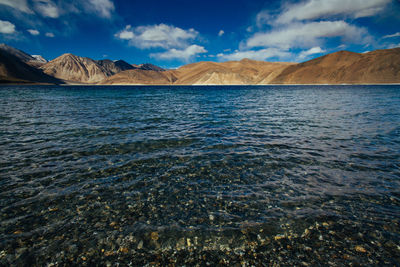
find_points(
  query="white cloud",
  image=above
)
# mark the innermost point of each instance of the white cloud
(184, 54)
(262, 54)
(161, 36)
(33, 32)
(316, 9)
(221, 32)
(393, 46)
(307, 34)
(103, 8)
(21, 5)
(6, 27)
(311, 51)
(49, 34)
(47, 8)
(126, 34)
(397, 34)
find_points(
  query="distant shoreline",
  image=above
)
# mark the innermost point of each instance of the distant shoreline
(196, 85)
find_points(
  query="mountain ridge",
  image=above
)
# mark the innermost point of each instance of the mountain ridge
(342, 67)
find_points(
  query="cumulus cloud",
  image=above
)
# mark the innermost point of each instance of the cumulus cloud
(47, 8)
(397, 34)
(221, 32)
(262, 54)
(183, 54)
(157, 36)
(311, 51)
(49, 34)
(307, 34)
(20, 5)
(33, 32)
(309, 24)
(316, 9)
(6, 27)
(126, 34)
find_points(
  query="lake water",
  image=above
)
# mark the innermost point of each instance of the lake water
(234, 175)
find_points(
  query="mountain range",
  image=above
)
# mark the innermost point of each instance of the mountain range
(343, 67)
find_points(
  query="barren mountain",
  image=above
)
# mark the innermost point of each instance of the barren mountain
(39, 58)
(14, 70)
(35, 61)
(148, 66)
(138, 76)
(245, 71)
(380, 66)
(114, 67)
(72, 68)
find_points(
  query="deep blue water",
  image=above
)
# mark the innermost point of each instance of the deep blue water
(293, 175)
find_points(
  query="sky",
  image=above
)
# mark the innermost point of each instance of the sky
(177, 32)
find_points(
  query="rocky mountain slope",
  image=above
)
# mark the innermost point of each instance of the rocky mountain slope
(34, 60)
(139, 76)
(380, 66)
(245, 71)
(204, 73)
(73, 68)
(114, 67)
(15, 70)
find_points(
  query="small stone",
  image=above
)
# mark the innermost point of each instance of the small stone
(361, 249)
(124, 250)
(154, 236)
(108, 253)
(140, 245)
(306, 232)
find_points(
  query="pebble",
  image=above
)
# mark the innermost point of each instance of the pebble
(361, 249)
(140, 245)
(154, 236)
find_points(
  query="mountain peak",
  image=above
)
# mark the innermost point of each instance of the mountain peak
(149, 66)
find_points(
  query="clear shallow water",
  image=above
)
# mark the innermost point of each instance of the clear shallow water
(296, 175)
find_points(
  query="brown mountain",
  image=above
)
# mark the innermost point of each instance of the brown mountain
(139, 76)
(148, 66)
(245, 71)
(380, 66)
(14, 70)
(35, 61)
(204, 73)
(114, 67)
(73, 68)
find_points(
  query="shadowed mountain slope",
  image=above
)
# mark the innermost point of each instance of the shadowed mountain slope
(114, 67)
(14, 70)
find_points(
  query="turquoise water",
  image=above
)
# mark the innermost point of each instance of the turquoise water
(296, 175)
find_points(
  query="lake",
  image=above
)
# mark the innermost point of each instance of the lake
(186, 175)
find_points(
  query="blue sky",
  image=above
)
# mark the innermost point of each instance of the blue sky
(176, 32)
